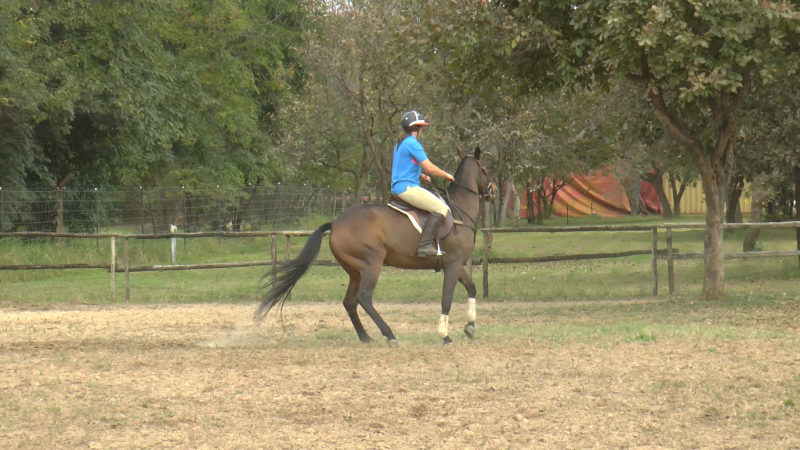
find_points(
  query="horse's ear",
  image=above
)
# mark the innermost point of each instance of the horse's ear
(461, 153)
(477, 153)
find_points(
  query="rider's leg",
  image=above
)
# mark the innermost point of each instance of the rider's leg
(422, 198)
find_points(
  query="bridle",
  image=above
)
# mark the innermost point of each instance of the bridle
(457, 209)
(485, 172)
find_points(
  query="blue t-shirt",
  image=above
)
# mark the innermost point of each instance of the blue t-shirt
(406, 164)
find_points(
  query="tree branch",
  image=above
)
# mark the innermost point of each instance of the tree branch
(677, 129)
(740, 93)
(637, 78)
(714, 106)
(726, 131)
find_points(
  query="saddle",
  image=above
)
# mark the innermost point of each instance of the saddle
(418, 217)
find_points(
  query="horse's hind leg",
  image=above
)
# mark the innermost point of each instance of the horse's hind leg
(350, 303)
(464, 278)
(369, 279)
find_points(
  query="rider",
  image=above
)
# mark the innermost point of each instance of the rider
(407, 165)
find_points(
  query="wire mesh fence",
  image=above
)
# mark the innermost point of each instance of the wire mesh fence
(224, 208)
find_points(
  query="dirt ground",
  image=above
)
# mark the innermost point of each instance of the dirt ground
(204, 377)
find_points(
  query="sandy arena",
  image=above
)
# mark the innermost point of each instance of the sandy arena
(204, 377)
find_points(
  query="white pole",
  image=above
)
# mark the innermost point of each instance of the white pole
(173, 244)
(113, 264)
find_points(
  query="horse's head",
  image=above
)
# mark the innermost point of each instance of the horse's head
(476, 173)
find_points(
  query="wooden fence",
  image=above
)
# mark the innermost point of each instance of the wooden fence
(127, 268)
(669, 253)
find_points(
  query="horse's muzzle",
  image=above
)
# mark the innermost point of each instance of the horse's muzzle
(490, 192)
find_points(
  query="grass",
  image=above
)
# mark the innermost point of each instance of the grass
(748, 281)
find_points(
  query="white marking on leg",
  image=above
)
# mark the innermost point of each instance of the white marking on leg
(471, 312)
(444, 322)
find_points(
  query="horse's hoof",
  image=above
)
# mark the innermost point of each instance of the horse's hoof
(448, 341)
(469, 330)
(366, 340)
(393, 343)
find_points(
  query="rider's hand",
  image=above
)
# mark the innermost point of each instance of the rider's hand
(426, 179)
(448, 177)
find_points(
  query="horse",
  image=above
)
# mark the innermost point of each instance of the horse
(365, 237)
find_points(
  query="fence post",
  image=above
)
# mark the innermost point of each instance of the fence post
(655, 261)
(173, 244)
(127, 273)
(141, 207)
(219, 215)
(97, 215)
(287, 257)
(274, 252)
(59, 211)
(670, 269)
(344, 200)
(485, 262)
(185, 217)
(113, 264)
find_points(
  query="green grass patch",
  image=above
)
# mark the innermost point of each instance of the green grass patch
(748, 281)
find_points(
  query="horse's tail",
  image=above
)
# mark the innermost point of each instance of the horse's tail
(288, 274)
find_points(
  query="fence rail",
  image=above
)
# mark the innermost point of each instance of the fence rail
(670, 254)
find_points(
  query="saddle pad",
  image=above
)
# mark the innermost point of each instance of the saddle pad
(410, 217)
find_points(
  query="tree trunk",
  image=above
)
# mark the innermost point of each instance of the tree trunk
(714, 280)
(760, 193)
(542, 205)
(529, 200)
(359, 194)
(386, 182)
(677, 194)
(517, 205)
(733, 213)
(634, 192)
(504, 205)
(657, 180)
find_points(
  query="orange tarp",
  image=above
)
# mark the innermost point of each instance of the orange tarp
(602, 195)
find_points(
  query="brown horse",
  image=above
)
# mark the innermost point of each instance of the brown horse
(365, 237)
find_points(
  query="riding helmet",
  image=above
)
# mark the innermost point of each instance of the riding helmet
(412, 118)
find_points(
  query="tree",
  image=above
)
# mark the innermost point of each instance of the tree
(355, 56)
(545, 139)
(696, 59)
(22, 92)
(646, 151)
(125, 92)
(318, 142)
(770, 154)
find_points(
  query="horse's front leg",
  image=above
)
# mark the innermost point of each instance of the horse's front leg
(472, 291)
(451, 276)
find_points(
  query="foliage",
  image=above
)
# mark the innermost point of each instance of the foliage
(22, 91)
(124, 92)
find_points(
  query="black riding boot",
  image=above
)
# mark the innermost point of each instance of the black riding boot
(427, 246)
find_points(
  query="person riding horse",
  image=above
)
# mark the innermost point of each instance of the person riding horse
(407, 165)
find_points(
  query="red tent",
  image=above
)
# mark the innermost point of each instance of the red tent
(599, 194)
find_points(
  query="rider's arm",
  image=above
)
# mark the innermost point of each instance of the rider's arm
(431, 169)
